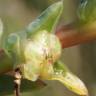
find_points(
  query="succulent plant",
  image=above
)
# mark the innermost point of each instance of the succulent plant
(36, 51)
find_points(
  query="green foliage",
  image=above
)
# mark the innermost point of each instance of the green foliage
(47, 20)
(72, 82)
(15, 42)
(87, 11)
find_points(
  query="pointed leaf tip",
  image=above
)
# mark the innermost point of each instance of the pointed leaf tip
(47, 20)
(72, 82)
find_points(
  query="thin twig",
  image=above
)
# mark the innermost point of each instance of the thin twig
(17, 82)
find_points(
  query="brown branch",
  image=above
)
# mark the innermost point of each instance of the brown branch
(17, 82)
(70, 36)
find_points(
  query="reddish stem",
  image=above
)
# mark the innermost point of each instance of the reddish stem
(70, 36)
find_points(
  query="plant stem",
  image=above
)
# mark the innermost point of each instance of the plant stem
(17, 90)
(70, 36)
(17, 82)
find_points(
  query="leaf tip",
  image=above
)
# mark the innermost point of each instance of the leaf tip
(59, 4)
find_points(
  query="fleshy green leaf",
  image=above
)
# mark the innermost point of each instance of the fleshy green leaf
(13, 47)
(72, 82)
(15, 43)
(47, 20)
(40, 53)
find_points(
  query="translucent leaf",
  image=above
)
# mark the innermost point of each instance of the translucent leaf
(47, 20)
(72, 82)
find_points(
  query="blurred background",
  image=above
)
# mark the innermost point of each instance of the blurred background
(80, 59)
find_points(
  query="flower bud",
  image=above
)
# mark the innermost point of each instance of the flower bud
(40, 53)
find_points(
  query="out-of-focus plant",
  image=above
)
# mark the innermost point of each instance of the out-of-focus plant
(87, 15)
(87, 11)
